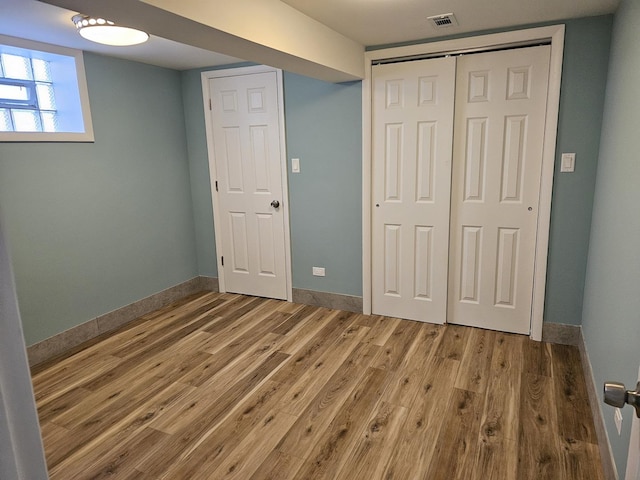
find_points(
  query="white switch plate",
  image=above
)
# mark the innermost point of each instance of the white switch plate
(318, 271)
(618, 419)
(568, 162)
(295, 165)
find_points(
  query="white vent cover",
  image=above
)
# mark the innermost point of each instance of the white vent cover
(444, 20)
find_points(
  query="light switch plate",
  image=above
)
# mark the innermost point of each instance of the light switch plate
(568, 162)
(295, 165)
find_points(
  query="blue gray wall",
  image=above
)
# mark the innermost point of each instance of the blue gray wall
(611, 316)
(324, 130)
(96, 226)
(199, 172)
(584, 78)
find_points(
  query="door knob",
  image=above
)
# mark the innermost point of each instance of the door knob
(275, 204)
(616, 395)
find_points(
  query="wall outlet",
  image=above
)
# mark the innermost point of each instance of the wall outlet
(617, 416)
(318, 271)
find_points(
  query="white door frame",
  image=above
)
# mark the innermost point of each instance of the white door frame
(206, 95)
(21, 451)
(554, 34)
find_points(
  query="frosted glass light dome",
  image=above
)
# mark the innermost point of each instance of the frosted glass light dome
(107, 32)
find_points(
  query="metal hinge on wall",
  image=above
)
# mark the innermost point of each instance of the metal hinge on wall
(222, 260)
(216, 185)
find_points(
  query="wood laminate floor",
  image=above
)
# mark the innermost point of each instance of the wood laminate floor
(222, 386)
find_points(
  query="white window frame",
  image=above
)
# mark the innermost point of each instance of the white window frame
(87, 134)
(554, 34)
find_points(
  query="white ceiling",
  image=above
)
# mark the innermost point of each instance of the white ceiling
(378, 22)
(369, 22)
(46, 23)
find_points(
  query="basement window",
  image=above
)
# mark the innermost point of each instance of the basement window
(43, 93)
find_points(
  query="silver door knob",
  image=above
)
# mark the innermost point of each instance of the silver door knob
(616, 395)
(275, 204)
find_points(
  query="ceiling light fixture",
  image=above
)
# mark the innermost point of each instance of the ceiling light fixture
(107, 32)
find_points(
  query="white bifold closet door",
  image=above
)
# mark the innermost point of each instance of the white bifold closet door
(454, 224)
(499, 134)
(412, 141)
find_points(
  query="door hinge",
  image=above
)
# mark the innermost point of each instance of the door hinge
(210, 108)
(216, 185)
(222, 260)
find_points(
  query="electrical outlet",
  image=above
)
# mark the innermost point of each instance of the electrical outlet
(318, 271)
(618, 419)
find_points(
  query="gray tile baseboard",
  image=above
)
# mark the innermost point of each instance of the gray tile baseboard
(65, 341)
(561, 333)
(209, 283)
(328, 300)
(606, 455)
(572, 335)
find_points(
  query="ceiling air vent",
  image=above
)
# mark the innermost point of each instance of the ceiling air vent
(443, 21)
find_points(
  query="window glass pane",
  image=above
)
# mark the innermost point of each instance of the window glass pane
(13, 92)
(26, 120)
(41, 91)
(49, 121)
(16, 67)
(46, 100)
(41, 70)
(5, 121)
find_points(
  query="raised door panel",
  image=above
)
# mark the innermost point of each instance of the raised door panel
(233, 159)
(392, 269)
(239, 242)
(423, 266)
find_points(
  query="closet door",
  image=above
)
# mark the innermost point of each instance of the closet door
(499, 132)
(412, 141)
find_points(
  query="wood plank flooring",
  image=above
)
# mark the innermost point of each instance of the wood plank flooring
(223, 386)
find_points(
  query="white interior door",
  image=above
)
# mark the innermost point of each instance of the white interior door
(499, 131)
(247, 152)
(633, 459)
(412, 138)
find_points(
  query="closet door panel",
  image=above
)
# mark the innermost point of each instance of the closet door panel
(412, 147)
(498, 141)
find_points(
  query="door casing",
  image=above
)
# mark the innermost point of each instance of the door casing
(217, 215)
(553, 34)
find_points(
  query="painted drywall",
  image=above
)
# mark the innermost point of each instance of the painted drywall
(324, 130)
(96, 226)
(191, 85)
(611, 313)
(584, 78)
